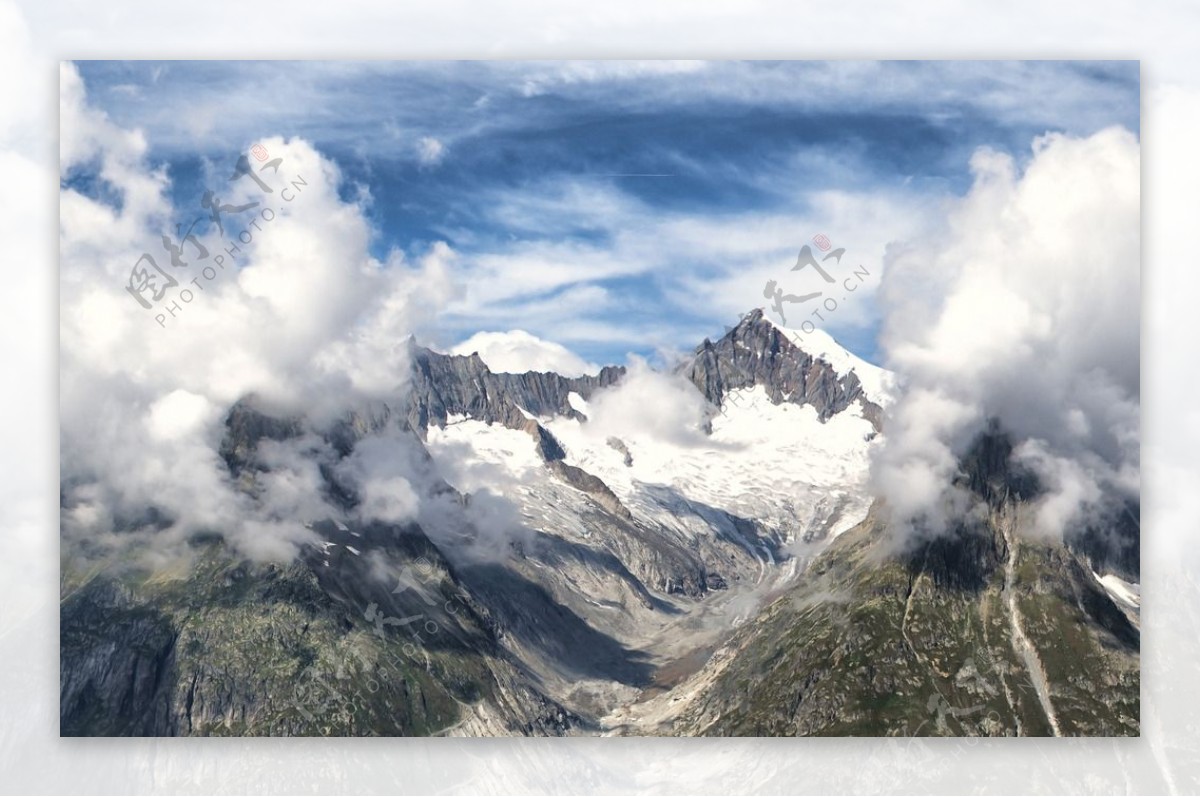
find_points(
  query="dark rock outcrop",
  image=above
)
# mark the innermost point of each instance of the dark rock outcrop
(757, 353)
(446, 384)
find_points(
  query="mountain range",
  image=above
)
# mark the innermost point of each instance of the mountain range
(689, 552)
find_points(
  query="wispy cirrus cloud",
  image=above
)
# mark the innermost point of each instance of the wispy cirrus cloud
(625, 206)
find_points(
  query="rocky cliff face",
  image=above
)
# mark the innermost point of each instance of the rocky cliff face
(445, 384)
(371, 632)
(756, 352)
(322, 646)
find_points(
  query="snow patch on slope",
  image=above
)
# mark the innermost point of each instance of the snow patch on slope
(578, 403)
(1125, 594)
(774, 463)
(474, 456)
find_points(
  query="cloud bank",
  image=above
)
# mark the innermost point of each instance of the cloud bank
(650, 405)
(283, 300)
(517, 351)
(1022, 308)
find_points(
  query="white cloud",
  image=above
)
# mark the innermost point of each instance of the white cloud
(295, 310)
(1024, 307)
(517, 351)
(178, 414)
(381, 472)
(430, 151)
(650, 405)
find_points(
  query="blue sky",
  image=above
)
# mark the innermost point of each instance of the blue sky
(623, 207)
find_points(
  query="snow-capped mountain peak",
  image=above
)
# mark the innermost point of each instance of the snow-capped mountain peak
(878, 383)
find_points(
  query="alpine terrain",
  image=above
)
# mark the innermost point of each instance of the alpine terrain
(542, 565)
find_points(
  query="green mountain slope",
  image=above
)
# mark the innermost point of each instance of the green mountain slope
(931, 642)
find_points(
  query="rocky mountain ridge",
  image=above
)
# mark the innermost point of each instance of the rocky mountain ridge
(558, 582)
